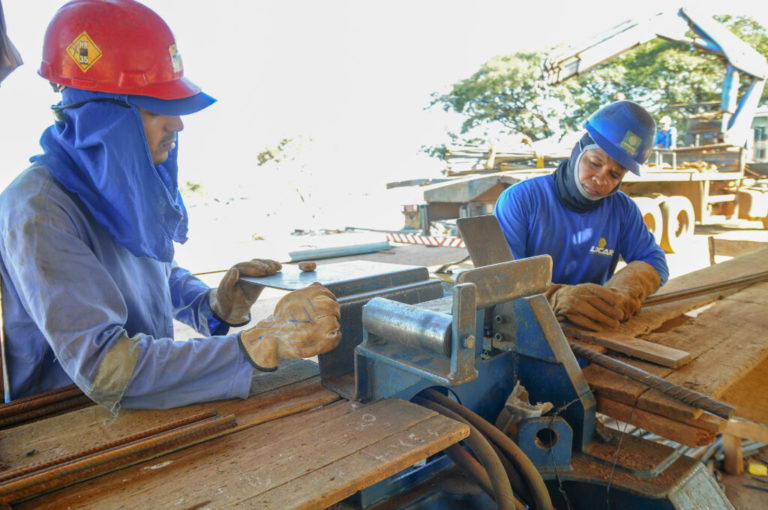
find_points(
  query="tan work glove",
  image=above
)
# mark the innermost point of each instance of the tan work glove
(588, 305)
(231, 302)
(632, 284)
(305, 323)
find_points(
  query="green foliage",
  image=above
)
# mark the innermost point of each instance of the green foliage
(192, 187)
(502, 91)
(506, 94)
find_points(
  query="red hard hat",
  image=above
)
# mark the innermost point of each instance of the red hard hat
(115, 46)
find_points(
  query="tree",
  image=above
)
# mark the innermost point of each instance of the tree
(502, 91)
(506, 91)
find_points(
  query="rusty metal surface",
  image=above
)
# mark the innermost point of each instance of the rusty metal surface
(44, 404)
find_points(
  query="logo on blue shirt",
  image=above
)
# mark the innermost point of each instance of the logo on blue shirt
(600, 249)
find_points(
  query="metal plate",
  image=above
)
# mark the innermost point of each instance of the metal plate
(344, 278)
(484, 240)
(506, 281)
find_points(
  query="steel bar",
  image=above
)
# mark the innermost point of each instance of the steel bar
(102, 462)
(758, 487)
(113, 444)
(40, 400)
(409, 325)
(69, 404)
(705, 289)
(688, 396)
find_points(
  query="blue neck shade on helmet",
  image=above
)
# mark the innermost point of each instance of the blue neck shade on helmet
(97, 150)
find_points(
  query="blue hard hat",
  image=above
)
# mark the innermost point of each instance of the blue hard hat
(625, 131)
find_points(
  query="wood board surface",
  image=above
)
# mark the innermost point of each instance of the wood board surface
(307, 460)
(294, 387)
(727, 341)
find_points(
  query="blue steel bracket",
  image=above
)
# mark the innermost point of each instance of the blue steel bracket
(547, 442)
(547, 367)
(404, 345)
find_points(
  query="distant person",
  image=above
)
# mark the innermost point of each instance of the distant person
(578, 216)
(90, 288)
(666, 136)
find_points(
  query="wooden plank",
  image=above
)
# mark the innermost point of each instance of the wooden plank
(240, 466)
(748, 395)
(747, 430)
(652, 318)
(633, 347)
(330, 484)
(728, 340)
(732, 247)
(684, 433)
(607, 384)
(88, 428)
(734, 457)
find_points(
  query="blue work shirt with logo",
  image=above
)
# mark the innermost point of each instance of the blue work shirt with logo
(584, 246)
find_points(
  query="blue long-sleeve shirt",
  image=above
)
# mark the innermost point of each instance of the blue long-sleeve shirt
(78, 307)
(584, 246)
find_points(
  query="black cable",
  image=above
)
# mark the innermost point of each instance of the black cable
(536, 485)
(505, 499)
(519, 486)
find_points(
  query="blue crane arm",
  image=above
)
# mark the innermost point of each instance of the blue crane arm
(711, 37)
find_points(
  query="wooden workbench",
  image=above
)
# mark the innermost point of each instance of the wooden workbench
(727, 337)
(295, 445)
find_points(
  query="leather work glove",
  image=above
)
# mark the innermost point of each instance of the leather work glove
(632, 284)
(305, 323)
(587, 305)
(231, 302)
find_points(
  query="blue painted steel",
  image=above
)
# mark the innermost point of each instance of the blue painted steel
(337, 366)
(384, 367)
(547, 442)
(481, 375)
(404, 480)
(544, 376)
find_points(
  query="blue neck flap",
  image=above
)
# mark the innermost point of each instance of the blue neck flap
(97, 150)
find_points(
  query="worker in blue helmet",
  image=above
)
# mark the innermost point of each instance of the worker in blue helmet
(578, 216)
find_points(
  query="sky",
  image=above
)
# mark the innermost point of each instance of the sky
(352, 78)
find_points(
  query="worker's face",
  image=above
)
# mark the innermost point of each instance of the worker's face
(599, 174)
(161, 133)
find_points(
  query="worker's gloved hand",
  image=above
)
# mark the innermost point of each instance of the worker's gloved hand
(231, 302)
(632, 284)
(587, 305)
(305, 323)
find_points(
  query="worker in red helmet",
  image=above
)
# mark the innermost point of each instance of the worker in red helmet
(578, 216)
(89, 284)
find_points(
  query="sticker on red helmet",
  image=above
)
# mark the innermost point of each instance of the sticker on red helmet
(178, 66)
(84, 51)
